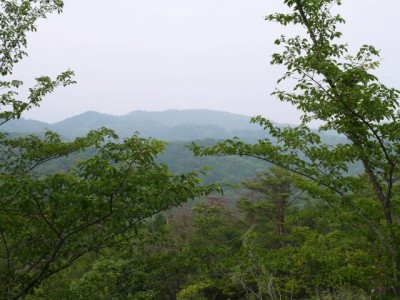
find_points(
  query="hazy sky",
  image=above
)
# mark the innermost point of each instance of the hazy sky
(182, 54)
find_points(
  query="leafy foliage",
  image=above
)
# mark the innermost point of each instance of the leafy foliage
(338, 88)
(49, 221)
(102, 227)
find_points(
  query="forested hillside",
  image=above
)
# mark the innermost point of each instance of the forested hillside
(167, 125)
(170, 125)
(91, 212)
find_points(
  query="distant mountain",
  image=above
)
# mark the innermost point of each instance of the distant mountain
(166, 125)
(175, 126)
(169, 125)
(25, 126)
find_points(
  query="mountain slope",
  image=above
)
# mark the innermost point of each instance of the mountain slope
(166, 125)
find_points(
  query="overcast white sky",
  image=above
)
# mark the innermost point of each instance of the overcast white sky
(182, 54)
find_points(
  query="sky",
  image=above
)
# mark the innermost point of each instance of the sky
(155, 55)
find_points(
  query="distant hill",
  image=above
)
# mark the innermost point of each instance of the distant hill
(175, 126)
(25, 126)
(167, 125)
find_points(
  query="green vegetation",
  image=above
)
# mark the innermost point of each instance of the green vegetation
(338, 88)
(97, 217)
(48, 221)
(214, 251)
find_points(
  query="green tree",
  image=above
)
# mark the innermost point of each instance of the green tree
(17, 18)
(272, 194)
(48, 222)
(338, 88)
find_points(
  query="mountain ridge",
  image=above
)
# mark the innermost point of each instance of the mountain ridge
(170, 124)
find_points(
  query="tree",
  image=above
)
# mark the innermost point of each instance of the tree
(276, 194)
(338, 88)
(48, 222)
(17, 18)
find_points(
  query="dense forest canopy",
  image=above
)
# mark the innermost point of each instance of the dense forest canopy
(114, 222)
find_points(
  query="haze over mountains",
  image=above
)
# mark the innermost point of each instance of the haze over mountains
(176, 127)
(165, 125)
